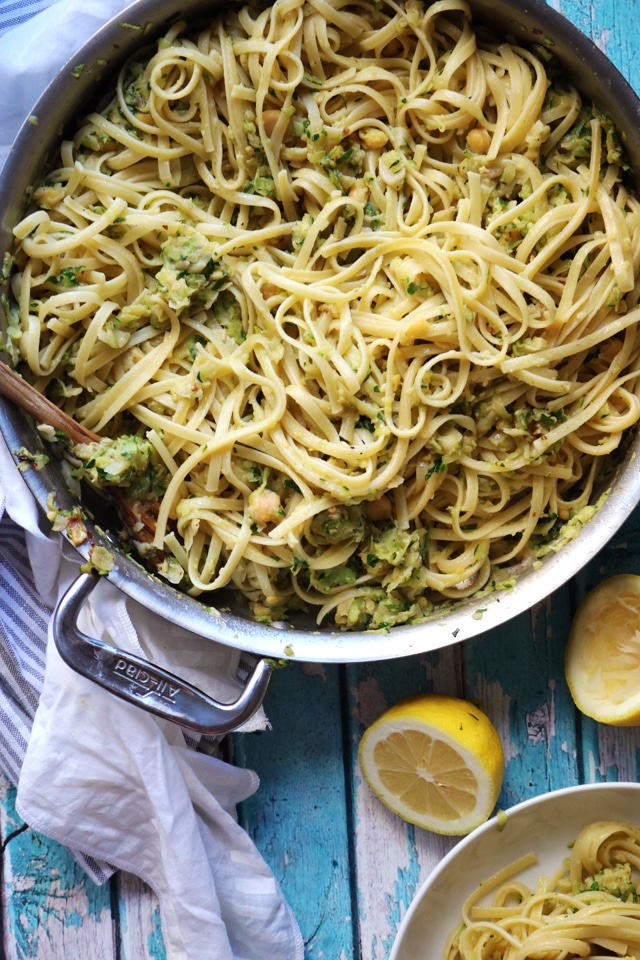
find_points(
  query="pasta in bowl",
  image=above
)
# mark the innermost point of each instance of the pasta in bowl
(555, 873)
(350, 295)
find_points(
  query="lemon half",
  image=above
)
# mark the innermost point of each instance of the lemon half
(602, 656)
(436, 761)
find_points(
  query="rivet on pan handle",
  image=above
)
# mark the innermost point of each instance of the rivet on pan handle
(148, 686)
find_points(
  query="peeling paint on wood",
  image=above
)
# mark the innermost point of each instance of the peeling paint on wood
(51, 910)
(139, 920)
(497, 705)
(300, 817)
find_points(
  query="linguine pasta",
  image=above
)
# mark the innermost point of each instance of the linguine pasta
(589, 908)
(360, 283)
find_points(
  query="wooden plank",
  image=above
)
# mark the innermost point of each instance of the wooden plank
(607, 23)
(139, 925)
(516, 673)
(610, 753)
(50, 909)
(298, 818)
(393, 858)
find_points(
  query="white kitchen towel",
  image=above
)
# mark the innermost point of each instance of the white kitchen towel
(116, 785)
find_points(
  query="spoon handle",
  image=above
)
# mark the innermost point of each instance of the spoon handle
(139, 516)
(16, 389)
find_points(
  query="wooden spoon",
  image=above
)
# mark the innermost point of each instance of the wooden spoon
(25, 396)
(140, 517)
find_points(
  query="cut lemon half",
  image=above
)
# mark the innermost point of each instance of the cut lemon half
(602, 656)
(436, 761)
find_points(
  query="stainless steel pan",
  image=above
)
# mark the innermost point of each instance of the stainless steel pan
(531, 22)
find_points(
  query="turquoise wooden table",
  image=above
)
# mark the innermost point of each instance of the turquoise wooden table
(347, 865)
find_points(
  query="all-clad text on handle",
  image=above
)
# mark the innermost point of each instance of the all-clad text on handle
(143, 683)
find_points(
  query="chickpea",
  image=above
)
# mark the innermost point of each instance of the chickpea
(265, 507)
(372, 138)
(358, 191)
(479, 140)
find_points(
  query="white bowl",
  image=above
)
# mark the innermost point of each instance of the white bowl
(545, 824)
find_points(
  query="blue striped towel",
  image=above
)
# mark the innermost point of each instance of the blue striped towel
(15, 12)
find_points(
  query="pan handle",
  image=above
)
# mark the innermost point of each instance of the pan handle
(135, 679)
